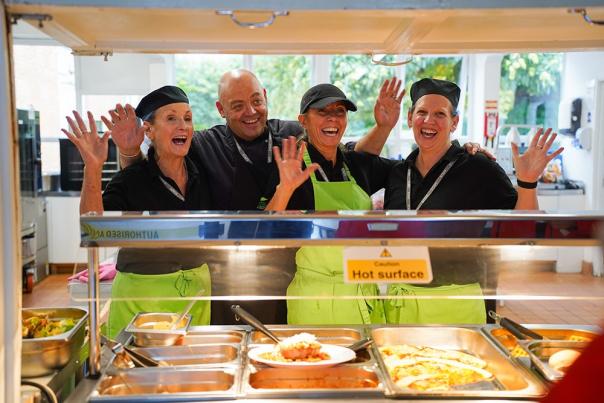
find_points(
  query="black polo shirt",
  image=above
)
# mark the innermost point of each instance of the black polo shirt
(369, 171)
(139, 188)
(473, 183)
(235, 184)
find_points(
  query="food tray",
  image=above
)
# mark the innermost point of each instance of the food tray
(167, 385)
(511, 380)
(539, 352)
(201, 335)
(509, 344)
(209, 354)
(41, 356)
(145, 336)
(325, 335)
(343, 380)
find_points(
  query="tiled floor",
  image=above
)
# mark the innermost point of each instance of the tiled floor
(53, 291)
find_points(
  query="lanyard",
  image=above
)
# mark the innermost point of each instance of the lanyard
(269, 151)
(434, 185)
(171, 189)
(345, 173)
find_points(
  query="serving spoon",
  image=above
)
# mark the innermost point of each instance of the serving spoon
(251, 320)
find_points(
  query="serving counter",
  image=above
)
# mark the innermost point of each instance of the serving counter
(251, 259)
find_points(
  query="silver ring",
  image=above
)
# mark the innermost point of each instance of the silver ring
(540, 147)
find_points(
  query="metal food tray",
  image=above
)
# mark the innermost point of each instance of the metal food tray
(342, 336)
(361, 377)
(511, 379)
(539, 352)
(43, 355)
(563, 332)
(194, 355)
(167, 385)
(149, 337)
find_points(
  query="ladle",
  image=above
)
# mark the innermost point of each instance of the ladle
(185, 312)
(251, 320)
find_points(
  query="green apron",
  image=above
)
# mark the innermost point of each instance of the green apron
(435, 311)
(319, 270)
(183, 283)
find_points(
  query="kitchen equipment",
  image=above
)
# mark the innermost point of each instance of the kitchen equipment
(540, 352)
(130, 358)
(143, 328)
(252, 321)
(511, 379)
(185, 311)
(519, 331)
(42, 356)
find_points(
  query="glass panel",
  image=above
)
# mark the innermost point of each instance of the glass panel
(285, 79)
(198, 76)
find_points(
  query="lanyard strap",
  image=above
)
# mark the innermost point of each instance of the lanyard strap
(172, 190)
(345, 171)
(269, 151)
(434, 185)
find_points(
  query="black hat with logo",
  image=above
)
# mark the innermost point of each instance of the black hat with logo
(322, 95)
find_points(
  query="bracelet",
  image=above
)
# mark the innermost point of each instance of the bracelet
(130, 156)
(526, 185)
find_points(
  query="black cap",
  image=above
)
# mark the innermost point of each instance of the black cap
(427, 86)
(160, 97)
(322, 95)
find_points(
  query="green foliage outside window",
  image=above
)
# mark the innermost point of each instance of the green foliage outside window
(285, 79)
(198, 76)
(361, 82)
(530, 88)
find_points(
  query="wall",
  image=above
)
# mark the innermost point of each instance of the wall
(581, 72)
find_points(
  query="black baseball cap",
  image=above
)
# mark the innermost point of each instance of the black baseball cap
(322, 95)
(154, 100)
(427, 86)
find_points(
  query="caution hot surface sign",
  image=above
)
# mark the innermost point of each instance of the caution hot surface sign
(401, 264)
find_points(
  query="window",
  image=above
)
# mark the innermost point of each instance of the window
(45, 82)
(285, 78)
(198, 76)
(530, 89)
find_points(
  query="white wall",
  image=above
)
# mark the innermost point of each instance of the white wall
(581, 72)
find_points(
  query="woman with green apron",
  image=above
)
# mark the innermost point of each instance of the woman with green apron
(166, 180)
(439, 175)
(342, 180)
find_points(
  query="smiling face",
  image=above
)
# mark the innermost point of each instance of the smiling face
(171, 130)
(325, 126)
(242, 102)
(432, 122)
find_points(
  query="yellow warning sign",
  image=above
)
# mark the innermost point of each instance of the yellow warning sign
(385, 253)
(387, 265)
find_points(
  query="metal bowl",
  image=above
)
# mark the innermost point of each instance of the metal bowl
(143, 328)
(43, 355)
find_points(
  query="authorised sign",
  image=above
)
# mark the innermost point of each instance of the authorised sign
(400, 264)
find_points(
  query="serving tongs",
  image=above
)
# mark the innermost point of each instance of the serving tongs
(516, 329)
(251, 320)
(128, 357)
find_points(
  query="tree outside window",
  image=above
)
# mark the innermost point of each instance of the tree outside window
(198, 76)
(530, 88)
(285, 79)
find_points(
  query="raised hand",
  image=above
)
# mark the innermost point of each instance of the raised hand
(530, 165)
(124, 129)
(92, 148)
(289, 163)
(387, 109)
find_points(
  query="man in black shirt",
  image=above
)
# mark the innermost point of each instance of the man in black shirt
(237, 156)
